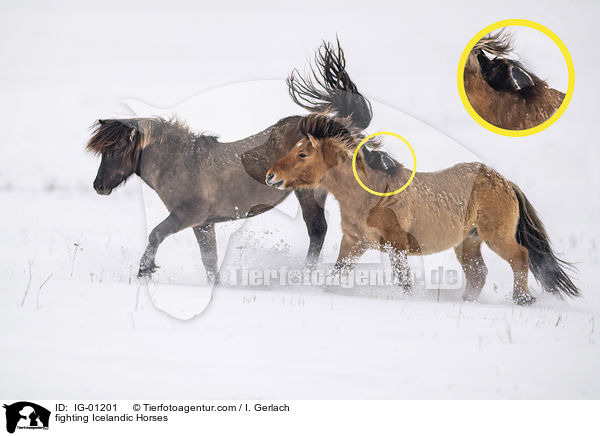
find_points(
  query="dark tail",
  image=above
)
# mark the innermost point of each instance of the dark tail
(546, 267)
(330, 88)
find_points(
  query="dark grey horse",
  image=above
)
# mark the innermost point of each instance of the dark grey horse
(202, 181)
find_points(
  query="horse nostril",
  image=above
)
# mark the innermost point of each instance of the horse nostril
(270, 177)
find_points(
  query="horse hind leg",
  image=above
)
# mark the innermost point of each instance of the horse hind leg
(501, 238)
(312, 203)
(207, 241)
(468, 254)
(518, 258)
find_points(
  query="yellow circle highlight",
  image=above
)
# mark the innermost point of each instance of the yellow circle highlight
(384, 194)
(461, 73)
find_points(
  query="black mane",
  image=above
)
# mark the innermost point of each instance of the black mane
(330, 89)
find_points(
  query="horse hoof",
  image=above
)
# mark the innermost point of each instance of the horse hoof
(524, 299)
(213, 278)
(144, 273)
(406, 289)
(468, 297)
(147, 271)
(310, 265)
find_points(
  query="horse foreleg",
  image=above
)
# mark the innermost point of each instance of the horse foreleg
(400, 269)
(351, 249)
(205, 235)
(172, 224)
(312, 203)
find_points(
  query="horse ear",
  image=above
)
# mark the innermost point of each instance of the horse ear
(521, 79)
(101, 122)
(313, 140)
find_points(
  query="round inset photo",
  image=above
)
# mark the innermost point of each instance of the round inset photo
(516, 77)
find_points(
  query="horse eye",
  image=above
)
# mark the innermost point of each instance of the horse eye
(302, 155)
(118, 153)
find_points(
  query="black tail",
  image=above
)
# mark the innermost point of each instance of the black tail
(546, 267)
(330, 88)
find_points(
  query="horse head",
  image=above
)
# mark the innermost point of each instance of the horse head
(120, 143)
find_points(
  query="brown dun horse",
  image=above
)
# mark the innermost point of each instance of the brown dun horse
(502, 91)
(459, 207)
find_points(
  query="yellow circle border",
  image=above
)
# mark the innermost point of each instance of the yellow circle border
(461, 72)
(384, 194)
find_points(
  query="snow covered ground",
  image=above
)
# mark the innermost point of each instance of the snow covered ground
(77, 323)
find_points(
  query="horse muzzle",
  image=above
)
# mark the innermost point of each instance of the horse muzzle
(273, 181)
(101, 189)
